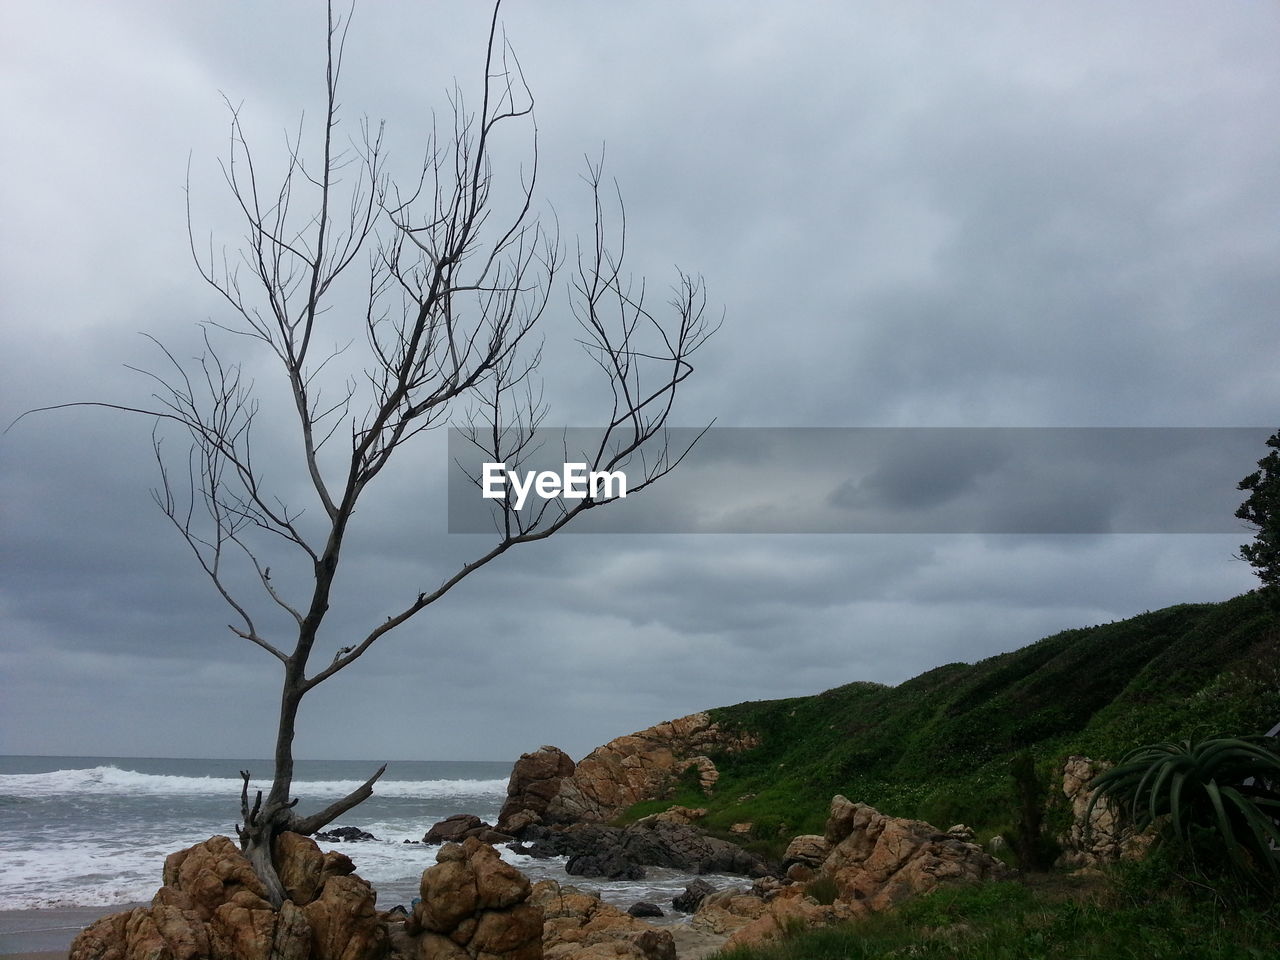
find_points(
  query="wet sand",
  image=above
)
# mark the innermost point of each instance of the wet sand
(47, 934)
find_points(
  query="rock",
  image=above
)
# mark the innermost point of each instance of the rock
(300, 866)
(535, 780)
(800, 873)
(644, 908)
(475, 905)
(881, 860)
(212, 907)
(597, 850)
(608, 865)
(578, 926)
(684, 816)
(454, 829)
(693, 895)
(997, 845)
(750, 919)
(211, 874)
(742, 829)
(641, 766)
(961, 832)
(345, 835)
(1103, 838)
(809, 849)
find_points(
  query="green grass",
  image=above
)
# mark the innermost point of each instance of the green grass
(1142, 911)
(938, 747)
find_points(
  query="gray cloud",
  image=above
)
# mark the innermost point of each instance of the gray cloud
(988, 215)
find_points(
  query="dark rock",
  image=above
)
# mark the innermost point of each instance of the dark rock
(645, 909)
(345, 835)
(686, 847)
(693, 895)
(609, 864)
(597, 850)
(657, 945)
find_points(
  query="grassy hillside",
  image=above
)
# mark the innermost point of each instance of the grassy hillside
(939, 746)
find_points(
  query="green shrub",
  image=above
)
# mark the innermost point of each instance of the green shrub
(1212, 797)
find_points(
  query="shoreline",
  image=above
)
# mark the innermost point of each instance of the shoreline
(46, 933)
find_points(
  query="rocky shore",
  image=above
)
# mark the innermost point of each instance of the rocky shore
(475, 906)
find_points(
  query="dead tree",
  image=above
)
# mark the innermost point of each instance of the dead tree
(456, 283)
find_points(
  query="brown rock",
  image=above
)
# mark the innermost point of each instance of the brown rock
(515, 932)
(238, 931)
(535, 780)
(881, 860)
(344, 923)
(840, 820)
(498, 884)
(578, 926)
(300, 866)
(808, 849)
(474, 905)
(211, 874)
(641, 766)
(455, 829)
(800, 873)
(682, 816)
(448, 893)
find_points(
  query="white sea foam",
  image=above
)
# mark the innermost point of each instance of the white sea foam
(110, 780)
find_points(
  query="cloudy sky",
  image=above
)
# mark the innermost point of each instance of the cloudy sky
(911, 215)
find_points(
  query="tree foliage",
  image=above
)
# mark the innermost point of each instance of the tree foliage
(1262, 509)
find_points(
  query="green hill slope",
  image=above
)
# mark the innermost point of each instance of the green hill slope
(939, 746)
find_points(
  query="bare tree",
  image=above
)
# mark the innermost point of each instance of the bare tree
(456, 283)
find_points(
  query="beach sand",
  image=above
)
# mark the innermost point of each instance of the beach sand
(47, 934)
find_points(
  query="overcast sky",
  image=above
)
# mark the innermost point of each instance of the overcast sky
(911, 214)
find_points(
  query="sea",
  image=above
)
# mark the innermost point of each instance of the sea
(95, 831)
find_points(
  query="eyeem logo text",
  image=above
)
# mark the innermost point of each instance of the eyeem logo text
(573, 483)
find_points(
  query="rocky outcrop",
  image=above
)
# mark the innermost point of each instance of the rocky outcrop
(1096, 836)
(621, 853)
(880, 860)
(578, 926)
(345, 835)
(474, 905)
(535, 779)
(804, 857)
(212, 905)
(460, 827)
(685, 816)
(749, 919)
(640, 766)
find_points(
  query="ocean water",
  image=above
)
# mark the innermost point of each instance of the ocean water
(94, 831)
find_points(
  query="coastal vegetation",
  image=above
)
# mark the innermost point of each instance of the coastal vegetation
(1151, 909)
(944, 746)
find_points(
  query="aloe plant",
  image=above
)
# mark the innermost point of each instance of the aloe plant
(1222, 785)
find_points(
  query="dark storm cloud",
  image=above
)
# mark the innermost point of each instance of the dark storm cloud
(980, 216)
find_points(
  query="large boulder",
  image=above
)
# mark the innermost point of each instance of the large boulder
(642, 766)
(475, 905)
(751, 920)
(535, 780)
(460, 826)
(880, 860)
(213, 907)
(579, 926)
